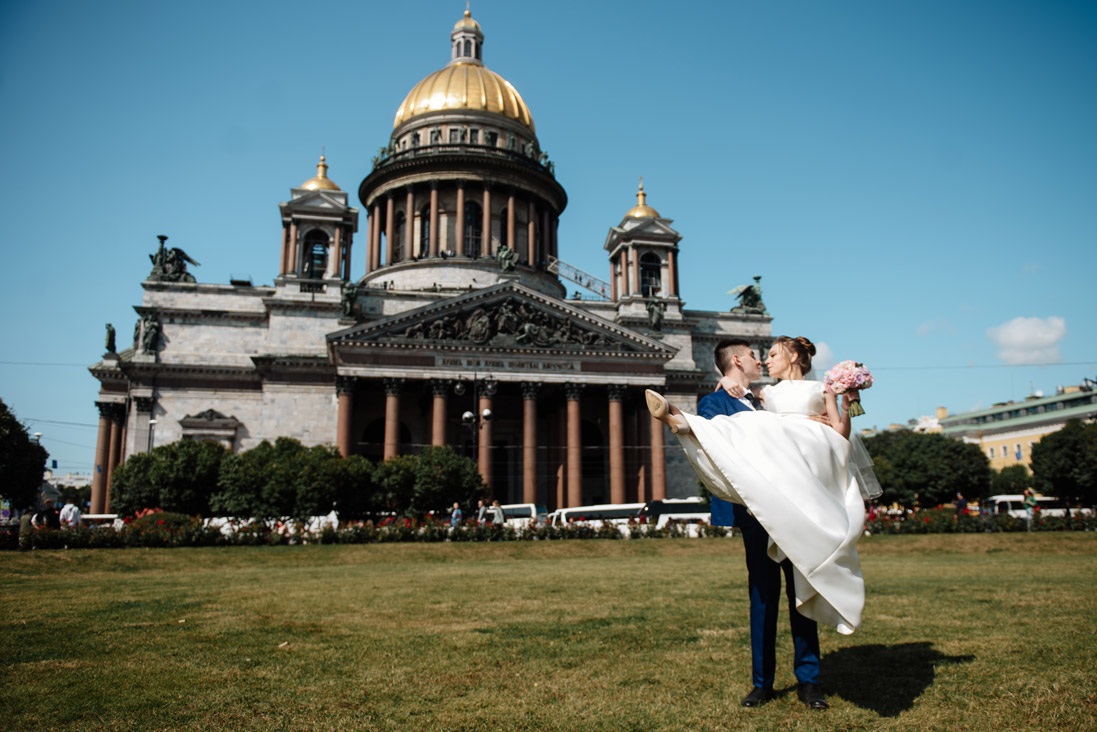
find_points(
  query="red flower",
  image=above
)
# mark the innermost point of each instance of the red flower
(160, 522)
(926, 519)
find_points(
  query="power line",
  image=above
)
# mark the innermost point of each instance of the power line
(51, 421)
(981, 366)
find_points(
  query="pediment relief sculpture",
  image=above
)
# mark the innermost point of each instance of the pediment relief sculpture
(509, 322)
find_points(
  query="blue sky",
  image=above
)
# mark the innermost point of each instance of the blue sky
(915, 182)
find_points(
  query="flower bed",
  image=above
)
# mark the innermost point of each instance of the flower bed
(175, 530)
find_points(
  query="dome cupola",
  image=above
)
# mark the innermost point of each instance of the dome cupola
(321, 181)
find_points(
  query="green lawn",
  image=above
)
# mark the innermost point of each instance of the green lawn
(962, 632)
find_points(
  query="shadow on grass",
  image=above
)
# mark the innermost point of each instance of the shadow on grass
(885, 679)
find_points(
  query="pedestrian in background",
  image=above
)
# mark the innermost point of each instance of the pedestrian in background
(455, 515)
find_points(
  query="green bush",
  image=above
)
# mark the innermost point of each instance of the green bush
(178, 477)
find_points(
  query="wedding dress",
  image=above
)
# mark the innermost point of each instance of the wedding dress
(795, 477)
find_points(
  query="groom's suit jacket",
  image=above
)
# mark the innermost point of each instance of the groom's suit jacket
(710, 405)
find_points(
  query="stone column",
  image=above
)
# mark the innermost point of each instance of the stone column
(575, 455)
(625, 291)
(375, 246)
(114, 455)
(616, 446)
(285, 250)
(440, 389)
(392, 417)
(460, 233)
(487, 391)
(102, 459)
(291, 263)
(510, 222)
(635, 257)
(672, 275)
(433, 241)
(390, 226)
(529, 441)
(344, 390)
(531, 235)
(559, 456)
(409, 223)
(336, 254)
(612, 280)
(346, 255)
(545, 238)
(555, 226)
(658, 462)
(486, 247)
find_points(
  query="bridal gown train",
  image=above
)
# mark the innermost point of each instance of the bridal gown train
(793, 474)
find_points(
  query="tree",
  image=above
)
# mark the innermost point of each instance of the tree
(431, 481)
(22, 462)
(288, 479)
(927, 468)
(179, 477)
(1064, 463)
(1010, 479)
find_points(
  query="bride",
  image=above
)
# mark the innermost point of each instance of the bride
(794, 474)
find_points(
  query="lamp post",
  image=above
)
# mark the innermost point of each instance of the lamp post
(152, 427)
(473, 421)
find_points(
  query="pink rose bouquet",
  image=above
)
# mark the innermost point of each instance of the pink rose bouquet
(851, 377)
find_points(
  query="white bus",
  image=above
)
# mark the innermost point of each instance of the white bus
(521, 515)
(617, 514)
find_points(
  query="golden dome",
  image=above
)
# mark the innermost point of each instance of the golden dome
(641, 210)
(321, 181)
(467, 22)
(464, 86)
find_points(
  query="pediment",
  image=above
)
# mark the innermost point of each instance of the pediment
(334, 200)
(657, 230)
(508, 316)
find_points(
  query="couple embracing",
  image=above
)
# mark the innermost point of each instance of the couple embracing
(781, 462)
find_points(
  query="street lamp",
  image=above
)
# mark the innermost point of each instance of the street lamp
(152, 427)
(37, 438)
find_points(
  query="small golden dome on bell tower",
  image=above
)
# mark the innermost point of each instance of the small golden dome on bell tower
(321, 181)
(641, 210)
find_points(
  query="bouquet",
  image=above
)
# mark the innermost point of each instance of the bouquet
(849, 376)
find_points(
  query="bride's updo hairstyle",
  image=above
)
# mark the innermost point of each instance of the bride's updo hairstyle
(800, 349)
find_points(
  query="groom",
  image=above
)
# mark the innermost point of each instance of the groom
(736, 360)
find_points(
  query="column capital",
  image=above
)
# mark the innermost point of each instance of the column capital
(461, 183)
(573, 391)
(615, 391)
(488, 387)
(144, 404)
(393, 386)
(530, 389)
(440, 387)
(345, 384)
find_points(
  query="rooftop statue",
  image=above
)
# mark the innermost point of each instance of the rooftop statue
(507, 258)
(750, 298)
(110, 339)
(170, 265)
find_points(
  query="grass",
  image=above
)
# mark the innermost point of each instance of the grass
(962, 632)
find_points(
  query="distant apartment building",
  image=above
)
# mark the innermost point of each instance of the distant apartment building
(1007, 431)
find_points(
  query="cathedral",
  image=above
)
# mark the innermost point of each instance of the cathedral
(452, 327)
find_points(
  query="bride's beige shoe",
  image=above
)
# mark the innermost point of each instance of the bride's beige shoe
(660, 409)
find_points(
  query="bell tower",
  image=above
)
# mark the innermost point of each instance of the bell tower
(318, 227)
(643, 256)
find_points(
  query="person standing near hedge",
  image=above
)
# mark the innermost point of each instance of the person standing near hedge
(455, 515)
(70, 514)
(1030, 507)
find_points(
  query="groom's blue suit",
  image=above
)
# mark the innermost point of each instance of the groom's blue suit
(764, 579)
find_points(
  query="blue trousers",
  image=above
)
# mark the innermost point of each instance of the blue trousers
(764, 583)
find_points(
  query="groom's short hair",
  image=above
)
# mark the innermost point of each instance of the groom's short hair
(722, 354)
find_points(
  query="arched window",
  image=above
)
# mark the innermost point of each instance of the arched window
(397, 246)
(468, 48)
(316, 254)
(424, 231)
(474, 229)
(503, 232)
(650, 269)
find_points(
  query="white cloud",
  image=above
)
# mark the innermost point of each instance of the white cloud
(941, 324)
(1029, 340)
(824, 358)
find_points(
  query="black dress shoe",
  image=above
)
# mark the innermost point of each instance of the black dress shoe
(812, 696)
(758, 696)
